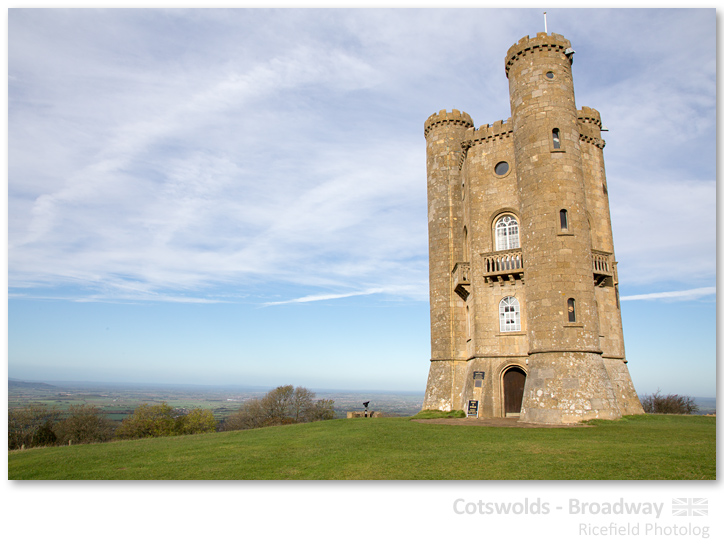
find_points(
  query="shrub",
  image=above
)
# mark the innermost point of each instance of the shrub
(32, 426)
(161, 420)
(196, 421)
(84, 424)
(668, 404)
(148, 421)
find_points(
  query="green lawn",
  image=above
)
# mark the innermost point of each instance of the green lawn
(636, 447)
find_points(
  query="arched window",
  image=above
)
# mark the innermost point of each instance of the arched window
(556, 139)
(564, 220)
(506, 233)
(571, 310)
(509, 315)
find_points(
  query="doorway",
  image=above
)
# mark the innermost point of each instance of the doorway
(513, 385)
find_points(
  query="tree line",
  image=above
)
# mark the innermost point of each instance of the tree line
(37, 425)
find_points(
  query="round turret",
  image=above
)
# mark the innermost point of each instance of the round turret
(454, 117)
(444, 132)
(565, 362)
(589, 125)
(541, 43)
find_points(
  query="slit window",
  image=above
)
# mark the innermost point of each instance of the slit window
(466, 245)
(564, 219)
(571, 310)
(556, 139)
(467, 321)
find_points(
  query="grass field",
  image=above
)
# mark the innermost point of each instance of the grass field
(636, 447)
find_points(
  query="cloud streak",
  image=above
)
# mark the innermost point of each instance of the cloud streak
(683, 295)
(325, 297)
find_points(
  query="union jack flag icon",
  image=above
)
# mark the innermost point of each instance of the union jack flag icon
(690, 506)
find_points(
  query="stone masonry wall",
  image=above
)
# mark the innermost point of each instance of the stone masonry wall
(574, 369)
(567, 379)
(444, 132)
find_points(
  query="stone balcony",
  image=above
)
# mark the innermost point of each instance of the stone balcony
(502, 266)
(507, 267)
(461, 279)
(604, 268)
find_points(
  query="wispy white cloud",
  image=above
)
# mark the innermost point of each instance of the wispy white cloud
(180, 152)
(325, 297)
(683, 295)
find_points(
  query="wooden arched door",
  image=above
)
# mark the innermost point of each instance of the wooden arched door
(513, 384)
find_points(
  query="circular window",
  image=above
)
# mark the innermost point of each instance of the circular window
(502, 168)
(549, 74)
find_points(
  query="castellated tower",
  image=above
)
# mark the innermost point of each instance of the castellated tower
(524, 309)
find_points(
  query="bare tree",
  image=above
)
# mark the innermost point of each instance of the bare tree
(283, 405)
(278, 405)
(668, 404)
(250, 415)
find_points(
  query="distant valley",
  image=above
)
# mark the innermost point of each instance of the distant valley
(118, 400)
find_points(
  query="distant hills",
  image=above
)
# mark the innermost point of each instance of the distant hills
(19, 384)
(707, 405)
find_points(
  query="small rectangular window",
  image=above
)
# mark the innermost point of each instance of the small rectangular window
(564, 219)
(571, 310)
(556, 139)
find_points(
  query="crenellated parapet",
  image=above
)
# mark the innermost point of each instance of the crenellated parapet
(589, 115)
(589, 126)
(499, 130)
(541, 42)
(444, 117)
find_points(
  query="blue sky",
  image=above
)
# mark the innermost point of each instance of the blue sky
(239, 197)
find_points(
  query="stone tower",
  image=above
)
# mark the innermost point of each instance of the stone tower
(524, 310)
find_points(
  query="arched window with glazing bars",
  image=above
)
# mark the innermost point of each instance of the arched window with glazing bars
(507, 233)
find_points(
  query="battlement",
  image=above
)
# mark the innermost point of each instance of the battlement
(589, 115)
(454, 117)
(540, 42)
(497, 131)
(589, 126)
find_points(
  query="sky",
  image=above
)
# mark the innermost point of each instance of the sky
(239, 196)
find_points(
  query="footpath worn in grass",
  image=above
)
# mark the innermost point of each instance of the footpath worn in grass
(435, 414)
(636, 447)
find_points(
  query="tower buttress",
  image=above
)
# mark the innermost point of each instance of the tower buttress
(444, 132)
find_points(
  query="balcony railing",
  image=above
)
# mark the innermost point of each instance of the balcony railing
(508, 265)
(502, 265)
(503, 262)
(604, 268)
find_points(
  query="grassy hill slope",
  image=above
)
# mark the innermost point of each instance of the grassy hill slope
(636, 447)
